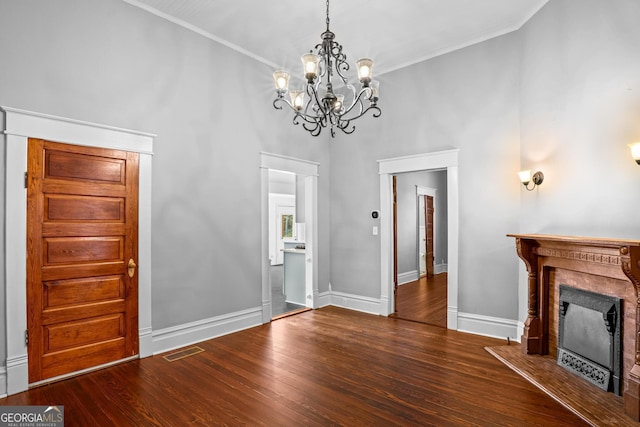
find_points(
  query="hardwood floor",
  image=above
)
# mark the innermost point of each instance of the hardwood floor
(424, 301)
(324, 367)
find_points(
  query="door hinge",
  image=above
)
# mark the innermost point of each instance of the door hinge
(26, 179)
(26, 337)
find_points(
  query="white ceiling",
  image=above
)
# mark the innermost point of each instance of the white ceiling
(394, 33)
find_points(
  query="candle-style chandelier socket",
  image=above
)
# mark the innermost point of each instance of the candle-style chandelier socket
(323, 106)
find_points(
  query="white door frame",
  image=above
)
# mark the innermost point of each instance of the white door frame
(429, 161)
(20, 125)
(310, 171)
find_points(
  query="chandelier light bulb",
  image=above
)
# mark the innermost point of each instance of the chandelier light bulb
(338, 103)
(281, 80)
(310, 62)
(365, 70)
(297, 99)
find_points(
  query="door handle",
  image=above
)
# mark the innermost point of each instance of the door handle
(131, 267)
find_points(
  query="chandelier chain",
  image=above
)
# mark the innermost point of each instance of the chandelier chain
(327, 15)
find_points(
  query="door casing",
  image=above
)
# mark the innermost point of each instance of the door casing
(19, 126)
(308, 170)
(440, 160)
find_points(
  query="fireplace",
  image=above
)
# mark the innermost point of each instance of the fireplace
(610, 267)
(589, 337)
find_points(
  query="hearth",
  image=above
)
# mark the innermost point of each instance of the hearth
(589, 337)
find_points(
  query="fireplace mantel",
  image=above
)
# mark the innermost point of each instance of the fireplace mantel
(606, 264)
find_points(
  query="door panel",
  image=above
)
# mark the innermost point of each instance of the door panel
(429, 233)
(82, 212)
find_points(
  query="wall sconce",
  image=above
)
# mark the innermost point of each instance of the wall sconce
(635, 151)
(526, 178)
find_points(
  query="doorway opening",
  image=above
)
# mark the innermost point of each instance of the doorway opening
(286, 244)
(437, 161)
(289, 189)
(420, 235)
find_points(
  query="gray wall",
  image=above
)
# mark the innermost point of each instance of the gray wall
(467, 99)
(408, 217)
(579, 108)
(105, 61)
(561, 95)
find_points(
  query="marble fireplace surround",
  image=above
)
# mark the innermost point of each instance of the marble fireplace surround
(606, 266)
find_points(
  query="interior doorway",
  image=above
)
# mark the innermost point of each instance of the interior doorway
(306, 211)
(442, 160)
(420, 294)
(286, 245)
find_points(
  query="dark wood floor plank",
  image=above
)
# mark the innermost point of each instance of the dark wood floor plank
(323, 367)
(424, 301)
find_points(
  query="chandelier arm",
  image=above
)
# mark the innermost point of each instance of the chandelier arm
(373, 108)
(277, 101)
(343, 126)
(315, 130)
(342, 66)
(358, 100)
(312, 91)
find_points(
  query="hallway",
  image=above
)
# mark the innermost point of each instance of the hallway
(424, 301)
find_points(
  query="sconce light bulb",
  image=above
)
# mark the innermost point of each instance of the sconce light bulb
(635, 151)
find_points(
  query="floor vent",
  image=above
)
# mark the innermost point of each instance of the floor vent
(182, 354)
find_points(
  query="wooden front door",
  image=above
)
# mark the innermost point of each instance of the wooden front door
(82, 247)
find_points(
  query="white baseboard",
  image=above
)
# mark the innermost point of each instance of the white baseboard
(324, 299)
(356, 302)
(190, 333)
(440, 268)
(17, 373)
(145, 348)
(520, 332)
(408, 277)
(412, 276)
(3, 382)
(494, 327)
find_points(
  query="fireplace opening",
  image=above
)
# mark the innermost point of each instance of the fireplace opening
(589, 337)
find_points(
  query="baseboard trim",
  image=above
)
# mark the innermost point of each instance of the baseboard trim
(355, 302)
(190, 333)
(408, 277)
(145, 348)
(3, 382)
(440, 268)
(324, 299)
(494, 327)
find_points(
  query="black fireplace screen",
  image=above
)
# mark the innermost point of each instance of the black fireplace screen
(589, 337)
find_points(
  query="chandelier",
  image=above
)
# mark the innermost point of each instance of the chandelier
(326, 105)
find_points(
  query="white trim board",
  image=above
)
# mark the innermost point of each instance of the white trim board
(408, 277)
(19, 126)
(202, 330)
(440, 160)
(494, 327)
(355, 302)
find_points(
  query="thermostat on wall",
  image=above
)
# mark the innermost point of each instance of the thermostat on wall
(375, 214)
